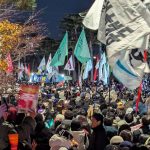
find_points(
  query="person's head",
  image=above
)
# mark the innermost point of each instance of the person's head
(124, 127)
(112, 147)
(143, 138)
(126, 135)
(126, 145)
(121, 113)
(108, 121)
(97, 120)
(116, 140)
(75, 125)
(68, 115)
(129, 118)
(20, 117)
(145, 120)
(39, 118)
(30, 122)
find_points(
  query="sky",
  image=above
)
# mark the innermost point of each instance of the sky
(54, 10)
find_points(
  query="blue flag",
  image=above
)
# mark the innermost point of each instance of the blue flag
(61, 53)
(104, 69)
(88, 68)
(82, 52)
(42, 65)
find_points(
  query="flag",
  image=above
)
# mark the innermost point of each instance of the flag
(42, 65)
(92, 17)
(9, 64)
(81, 51)
(48, 67)
(20, 70)
(96, 68)
(103, 69)
(61, 53)
(87, 69)
(105, 74)
(101, 65)
(138, 97)
(69, 65)
(124, 27)
(130, 68)
(80, 80)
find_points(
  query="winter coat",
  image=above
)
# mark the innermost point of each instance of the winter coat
(5, 129)
(81, 138)
(98, 140)
(56, 142)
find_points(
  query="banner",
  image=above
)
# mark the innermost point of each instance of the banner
(123, 26)
(28, 95)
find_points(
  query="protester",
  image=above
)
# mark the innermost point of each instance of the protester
(82, 122)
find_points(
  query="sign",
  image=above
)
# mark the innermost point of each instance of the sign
(28, 96)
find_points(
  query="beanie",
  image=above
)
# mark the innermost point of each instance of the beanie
(116, 140)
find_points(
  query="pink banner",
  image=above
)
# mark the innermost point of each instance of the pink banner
(28, 96)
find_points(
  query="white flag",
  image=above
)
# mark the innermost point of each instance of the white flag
(48, 67)
(21, 69)
(123, 26)
(42, 65)
(131, 66)
(69, 65)
(92, 18)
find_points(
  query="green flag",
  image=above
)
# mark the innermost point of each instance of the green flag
(61, 53)
(82, 52)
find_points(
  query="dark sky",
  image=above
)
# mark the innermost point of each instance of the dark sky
(54, 10)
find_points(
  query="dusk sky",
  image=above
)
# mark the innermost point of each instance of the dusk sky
(55, 10)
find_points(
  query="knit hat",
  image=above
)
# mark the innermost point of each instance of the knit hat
(129, 110)
(116, 140)
(120, 105)
(98, 117)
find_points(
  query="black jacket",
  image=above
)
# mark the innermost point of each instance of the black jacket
(98, 140)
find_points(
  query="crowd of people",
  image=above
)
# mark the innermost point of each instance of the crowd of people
(93, 117)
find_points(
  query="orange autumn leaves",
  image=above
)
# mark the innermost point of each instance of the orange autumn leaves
(9, 36)
(9, 39)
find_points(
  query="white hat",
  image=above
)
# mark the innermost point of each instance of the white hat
(129, 110)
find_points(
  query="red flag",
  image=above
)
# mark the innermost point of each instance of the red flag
(96, 69)
(145, 56)
(9, 64)
(138, 97)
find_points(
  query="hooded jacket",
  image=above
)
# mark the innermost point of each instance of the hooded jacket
(81, 138)
(56, 142)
